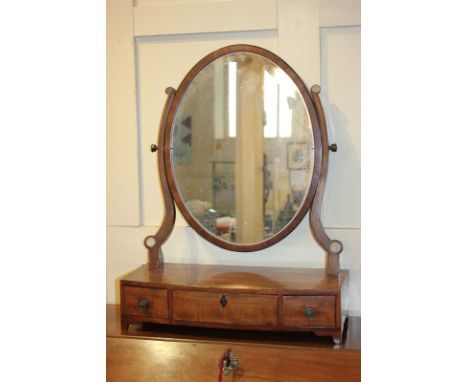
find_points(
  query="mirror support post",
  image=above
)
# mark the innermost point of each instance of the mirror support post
(332, 247)
(154, 243)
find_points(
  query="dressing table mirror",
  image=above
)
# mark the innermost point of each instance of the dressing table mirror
(243, 153)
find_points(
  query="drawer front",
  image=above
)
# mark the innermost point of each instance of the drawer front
(239, 309)
(146, 302)
(141, 360)
(309, 311)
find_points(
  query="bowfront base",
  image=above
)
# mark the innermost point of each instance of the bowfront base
(234, 297)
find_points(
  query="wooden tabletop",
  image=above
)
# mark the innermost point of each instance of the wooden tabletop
(253, 279)
(352, 337)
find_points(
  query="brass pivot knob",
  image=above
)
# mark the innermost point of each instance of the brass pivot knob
(154, 148)
(309, 312)
(143, 303)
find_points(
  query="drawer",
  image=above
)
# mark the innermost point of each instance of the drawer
(239, 309)
(146, 302)
(309, 311)
(143, 360)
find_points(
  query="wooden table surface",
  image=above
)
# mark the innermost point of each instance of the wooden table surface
(251, 279)
(160, 353)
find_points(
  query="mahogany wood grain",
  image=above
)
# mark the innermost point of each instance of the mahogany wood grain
(155, 253)
(315, 221)
(293, 313)
(240, 309)
(351, 341)
(168, 353)
(164, 361)
(254, 297)
(157, 302)
(238, 279)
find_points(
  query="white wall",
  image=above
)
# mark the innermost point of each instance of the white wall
(152, 45)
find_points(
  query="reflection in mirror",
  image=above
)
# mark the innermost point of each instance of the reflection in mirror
(242, 148)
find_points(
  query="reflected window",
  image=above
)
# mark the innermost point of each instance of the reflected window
(270, 99)
(278, 104)
(232, 98)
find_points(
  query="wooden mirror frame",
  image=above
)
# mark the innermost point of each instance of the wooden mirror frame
(312, 200)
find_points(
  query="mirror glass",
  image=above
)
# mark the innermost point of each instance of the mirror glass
(242, 148)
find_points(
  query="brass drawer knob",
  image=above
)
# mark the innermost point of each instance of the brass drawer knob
(143, 303)
(309, 312)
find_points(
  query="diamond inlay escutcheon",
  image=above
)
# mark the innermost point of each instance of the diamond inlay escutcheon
(223, 301)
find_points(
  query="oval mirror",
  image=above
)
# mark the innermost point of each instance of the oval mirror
(244, 155)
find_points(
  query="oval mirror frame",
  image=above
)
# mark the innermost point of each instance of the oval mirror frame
(168, 160)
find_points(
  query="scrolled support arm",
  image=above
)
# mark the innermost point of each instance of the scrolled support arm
(154, 243)
(332, 247)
